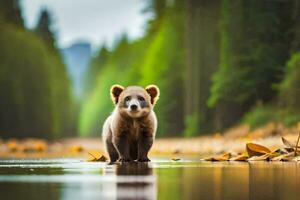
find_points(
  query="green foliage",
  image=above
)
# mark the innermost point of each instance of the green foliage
(61, 102)
(289, 97)
(254, 48)
(166, 73)
(290, 87)
(261, 115)
(249, 56)
(31, 101)
(18, 99)
(35, 91)
(192, 125)
(291, 118)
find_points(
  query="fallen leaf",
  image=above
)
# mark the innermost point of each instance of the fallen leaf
(40, 147)
(12, 145)
(217, 136)
(77, 148)
(297, 158)
(284, 150)
(97, 158)
(240, 158)
(175, 159)
(34, 146)
(283, 157)
(288, 143)
(224, 157)
(176, 151)
(256, 149)
(264, 157)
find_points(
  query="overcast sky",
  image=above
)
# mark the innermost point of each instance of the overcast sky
(95, 21)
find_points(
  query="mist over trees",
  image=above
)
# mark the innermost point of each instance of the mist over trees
(217, 63)
(35, 92)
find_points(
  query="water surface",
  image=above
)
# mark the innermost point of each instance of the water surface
(160, 179)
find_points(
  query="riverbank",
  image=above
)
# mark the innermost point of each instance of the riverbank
(231, 141)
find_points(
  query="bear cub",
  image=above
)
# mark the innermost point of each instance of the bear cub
(128, 133)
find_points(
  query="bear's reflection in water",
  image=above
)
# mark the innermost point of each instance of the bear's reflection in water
(135, 181)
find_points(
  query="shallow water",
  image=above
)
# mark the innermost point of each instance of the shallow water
(160, 179)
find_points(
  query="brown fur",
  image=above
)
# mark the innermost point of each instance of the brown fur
(128, 134)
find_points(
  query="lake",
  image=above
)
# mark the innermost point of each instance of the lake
(161, 179)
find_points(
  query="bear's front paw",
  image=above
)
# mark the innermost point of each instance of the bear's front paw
(146, 159)
(124, 159)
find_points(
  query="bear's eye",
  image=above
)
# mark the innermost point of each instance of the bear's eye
(127, 98)
(140, 98)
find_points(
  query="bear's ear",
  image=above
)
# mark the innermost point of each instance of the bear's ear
(115, 92)
(153, 91)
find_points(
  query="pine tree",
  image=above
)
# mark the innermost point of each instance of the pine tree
(62, 102)
(43, 29)
(10, 13)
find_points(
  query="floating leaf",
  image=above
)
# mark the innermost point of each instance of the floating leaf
(175, 159)
(97, 158)
(240, 158)
(256, 149)
(224, 157)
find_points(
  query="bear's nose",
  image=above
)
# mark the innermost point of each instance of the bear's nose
(133, 107)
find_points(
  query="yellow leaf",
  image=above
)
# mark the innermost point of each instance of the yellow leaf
(40, 146)
(240, 158)
(77, 148)
(260, 158)
(256, 149)
(12, 145)
(224, 157)
(96, 157)
(175, 159)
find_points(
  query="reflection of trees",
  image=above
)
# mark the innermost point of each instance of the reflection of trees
(216, 181)
(274, 181)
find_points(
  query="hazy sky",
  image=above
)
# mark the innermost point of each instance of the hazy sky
(89, 20)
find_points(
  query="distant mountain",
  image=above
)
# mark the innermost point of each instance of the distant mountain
(77, 58)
